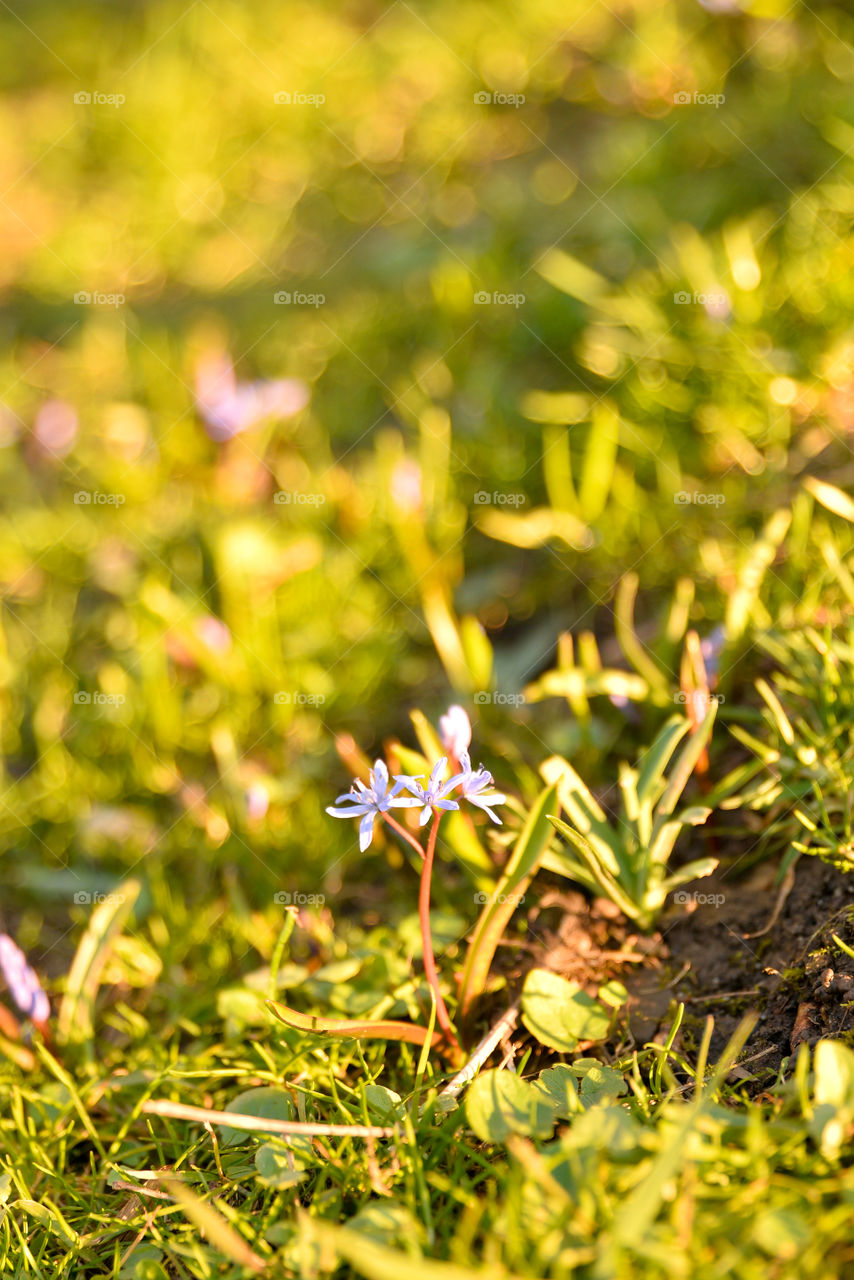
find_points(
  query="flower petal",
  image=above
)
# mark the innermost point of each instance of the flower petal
(366, 831)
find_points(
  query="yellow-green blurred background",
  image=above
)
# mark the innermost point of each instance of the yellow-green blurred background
(551, 268)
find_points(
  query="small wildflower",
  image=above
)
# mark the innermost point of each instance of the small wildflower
(24, 986)
(435, 794)
(473, 785)
(229, 407)
(455, 731)
(366, 802)
(711, 648)
(55, 427)
(257, 801)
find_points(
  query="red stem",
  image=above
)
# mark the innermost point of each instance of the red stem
(442, 1015)
(401, 831)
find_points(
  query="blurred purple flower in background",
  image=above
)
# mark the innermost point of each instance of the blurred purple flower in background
(213, 633)
(229, 407)
(55, 427)
(711, 649)
(455, 731)
(22, 982)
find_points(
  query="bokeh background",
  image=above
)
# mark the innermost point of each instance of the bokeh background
(508, 292)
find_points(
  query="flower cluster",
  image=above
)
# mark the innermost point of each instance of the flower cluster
(381, 793)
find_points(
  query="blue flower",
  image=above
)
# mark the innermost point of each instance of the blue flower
(473, 785)
(367, 802)
(435, 794)
(24, 986)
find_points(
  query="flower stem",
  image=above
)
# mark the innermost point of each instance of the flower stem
(401, 831)
(442, 1015)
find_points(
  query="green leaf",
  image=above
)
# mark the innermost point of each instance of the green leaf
(523, 863)
(603, 880)
(76, 1014)
(685, 764)
(559, 1013)
(276, 1166)
(384, 1104)
(657, 758)
(599, 1083)
(266, 1101)
(478, 651)
(559, 1085)
(499, 1103)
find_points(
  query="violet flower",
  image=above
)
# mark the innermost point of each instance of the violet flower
(435, 794)
(455, 731)
(367, 802)
(473, 785)
(24, 987)
(229, 407)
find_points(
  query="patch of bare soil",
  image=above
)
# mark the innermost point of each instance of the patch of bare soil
(725, 948)
(720, 957)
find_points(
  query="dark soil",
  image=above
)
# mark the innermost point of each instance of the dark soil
(716, 953)
(724, 961)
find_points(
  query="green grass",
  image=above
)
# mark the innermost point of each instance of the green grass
(598, 460)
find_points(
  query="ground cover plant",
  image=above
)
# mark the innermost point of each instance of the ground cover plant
(436, 416)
